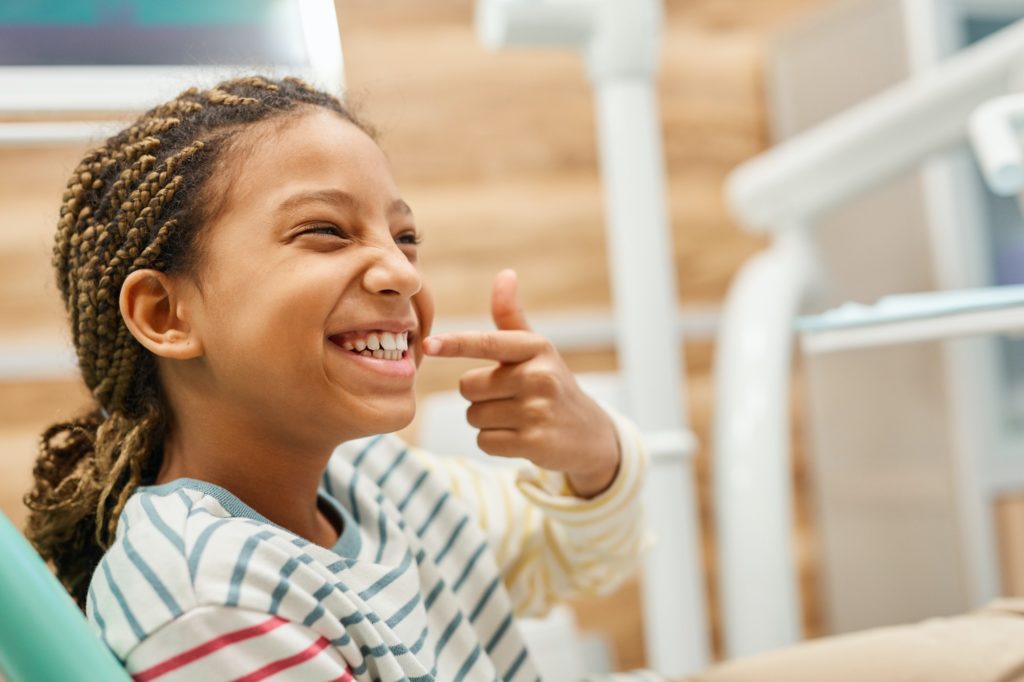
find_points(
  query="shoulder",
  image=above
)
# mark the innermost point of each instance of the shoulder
(179, 548)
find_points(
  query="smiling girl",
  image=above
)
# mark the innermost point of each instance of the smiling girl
(241, 278)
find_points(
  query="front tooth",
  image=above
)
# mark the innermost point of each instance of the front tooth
(360, 344)
(387, 341)
(378, 353)
(403, 341)
(372, 342)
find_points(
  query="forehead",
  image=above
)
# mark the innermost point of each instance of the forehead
(311, 151)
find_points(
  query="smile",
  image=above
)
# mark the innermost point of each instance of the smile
(377, 344)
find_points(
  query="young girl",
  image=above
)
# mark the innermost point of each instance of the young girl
(241, 279)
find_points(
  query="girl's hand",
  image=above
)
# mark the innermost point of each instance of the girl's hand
(530, 405)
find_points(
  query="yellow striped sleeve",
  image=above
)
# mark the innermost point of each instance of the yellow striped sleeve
(551, 545)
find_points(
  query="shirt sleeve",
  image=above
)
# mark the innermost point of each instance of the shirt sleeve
(550, 544)
(228, 643)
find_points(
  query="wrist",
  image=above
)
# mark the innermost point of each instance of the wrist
(594, 482)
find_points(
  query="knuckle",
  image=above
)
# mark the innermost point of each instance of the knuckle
(541, 381)
(545, 345)
(533, 436)
(534, 412)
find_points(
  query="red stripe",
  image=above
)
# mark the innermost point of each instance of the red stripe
(285, 663)
(207, 648)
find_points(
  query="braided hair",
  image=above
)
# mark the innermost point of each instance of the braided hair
(138, 201)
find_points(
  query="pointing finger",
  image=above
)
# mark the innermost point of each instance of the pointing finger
(501, 346)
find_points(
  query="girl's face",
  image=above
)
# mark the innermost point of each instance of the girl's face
(311, 264)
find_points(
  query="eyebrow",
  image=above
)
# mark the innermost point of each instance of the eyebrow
(336, 196)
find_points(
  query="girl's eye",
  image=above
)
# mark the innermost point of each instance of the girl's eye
(329, 230)
(410, 238)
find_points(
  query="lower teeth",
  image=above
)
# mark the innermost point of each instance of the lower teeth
(381, 356)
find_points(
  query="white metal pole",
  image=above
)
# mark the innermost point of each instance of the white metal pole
(621, 42)
(752, 488)
(640, 255)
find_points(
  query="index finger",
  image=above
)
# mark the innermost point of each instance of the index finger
(501, 346)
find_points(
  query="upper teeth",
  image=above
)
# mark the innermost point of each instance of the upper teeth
(379, 341)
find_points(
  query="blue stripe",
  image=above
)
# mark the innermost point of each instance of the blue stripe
(243, 564)
(433, 514)
(161, 525)
(341, 564)
(412, 491)
(433, 594)
(151, 577)
(283, 584)
(382, 529)
(451, 540)
(418, 644)
(197, 550)
(469, 566)
(116, 591)
(388, 577)
(401, 613)
(328, 486)
(464, 670)
(446, 635)
(185, 499)
(352, 618)
(352, 504)
(359, 669)
(394, 465)
(515, 665)
(483, 599)
(496, 637)
(373, 651)
(314, 615)
(96, 613)
(362, 454)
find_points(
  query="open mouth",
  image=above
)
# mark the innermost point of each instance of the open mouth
(376, 344)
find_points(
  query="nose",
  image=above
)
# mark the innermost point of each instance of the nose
(391, 272)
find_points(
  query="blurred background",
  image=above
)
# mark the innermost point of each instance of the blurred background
(497, 153)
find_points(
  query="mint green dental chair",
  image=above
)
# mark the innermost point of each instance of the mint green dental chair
(43, 635)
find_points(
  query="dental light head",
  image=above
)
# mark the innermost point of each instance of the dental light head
(619, 38)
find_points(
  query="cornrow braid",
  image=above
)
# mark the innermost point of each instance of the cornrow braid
(138, 201)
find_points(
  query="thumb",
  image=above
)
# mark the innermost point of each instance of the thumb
(505, 307)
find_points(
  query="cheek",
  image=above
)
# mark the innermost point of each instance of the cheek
(423, 304)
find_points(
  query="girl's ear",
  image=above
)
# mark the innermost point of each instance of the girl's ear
(156, 315)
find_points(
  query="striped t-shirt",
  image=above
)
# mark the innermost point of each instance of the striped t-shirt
(435, 558)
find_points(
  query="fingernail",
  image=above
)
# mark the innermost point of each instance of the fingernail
(431, 345)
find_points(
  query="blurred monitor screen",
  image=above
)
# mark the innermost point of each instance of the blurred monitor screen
(151, 32)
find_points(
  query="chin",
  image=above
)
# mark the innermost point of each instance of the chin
(394, 416)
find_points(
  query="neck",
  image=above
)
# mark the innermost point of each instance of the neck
(269, 471)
